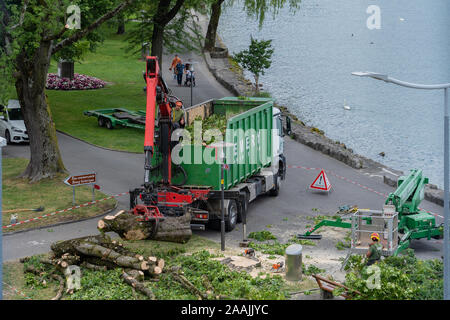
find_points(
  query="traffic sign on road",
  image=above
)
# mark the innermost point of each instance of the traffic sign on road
(81, 179)
(321, 182)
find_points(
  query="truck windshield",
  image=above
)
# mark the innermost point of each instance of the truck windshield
(15, 114)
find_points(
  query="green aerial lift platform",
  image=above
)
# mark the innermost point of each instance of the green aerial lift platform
(413, 222)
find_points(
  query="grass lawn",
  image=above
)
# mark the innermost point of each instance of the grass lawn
(194, 259)
(52, 194)
(123, 73)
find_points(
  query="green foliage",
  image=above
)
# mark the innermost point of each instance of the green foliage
(264, 94)
(259, 8)
(275, 247)
(257, 58)
(262, 235)
(400, 278)
(199, 268)
(225, 282)
(102, 285)
(179, 34)
(340, 245)
(311, 269)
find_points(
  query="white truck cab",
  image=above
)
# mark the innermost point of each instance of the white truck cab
(12, 126)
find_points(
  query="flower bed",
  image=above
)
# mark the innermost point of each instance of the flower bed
(79, 82)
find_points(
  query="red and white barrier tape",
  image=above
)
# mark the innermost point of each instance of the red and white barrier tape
(17, 291)
(65, 210)
(357, 184)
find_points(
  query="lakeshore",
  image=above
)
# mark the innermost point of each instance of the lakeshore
(232, 77)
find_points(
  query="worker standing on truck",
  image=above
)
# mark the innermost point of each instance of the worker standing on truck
(375, 248)
(178, 115)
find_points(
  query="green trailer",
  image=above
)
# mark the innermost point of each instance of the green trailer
(111, 118)
(251, 150)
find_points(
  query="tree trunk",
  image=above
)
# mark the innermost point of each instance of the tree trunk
(210, 39)
(164, 14)
(129, 226)
(257, 84)
(121, 25)
(45, 157)
(95, 251)
(157, 42)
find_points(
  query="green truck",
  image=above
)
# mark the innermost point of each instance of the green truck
(251, 152)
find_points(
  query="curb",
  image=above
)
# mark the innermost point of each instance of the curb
(5, 234)
(94, 145)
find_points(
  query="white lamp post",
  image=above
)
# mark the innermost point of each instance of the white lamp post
(2, 144)
(445, 87)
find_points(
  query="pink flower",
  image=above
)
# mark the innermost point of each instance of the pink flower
(79, 82)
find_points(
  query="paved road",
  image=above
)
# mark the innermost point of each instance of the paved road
(120, 171)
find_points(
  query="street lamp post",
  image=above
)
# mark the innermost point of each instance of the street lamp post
(445, 87)
(2, 144)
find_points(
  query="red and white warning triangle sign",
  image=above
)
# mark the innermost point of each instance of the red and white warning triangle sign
(321, 182)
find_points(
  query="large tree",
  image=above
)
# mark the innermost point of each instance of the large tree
(210, 38)
(33, 31)
(166, 24)
(255, 8)
(256, 59)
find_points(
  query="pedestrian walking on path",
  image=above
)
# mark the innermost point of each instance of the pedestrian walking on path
(179, 68)
(175, 61)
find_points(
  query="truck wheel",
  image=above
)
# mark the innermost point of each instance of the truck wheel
(109, 124)
(276, 189)
(231, 219)
(101, 121)
(7, 137)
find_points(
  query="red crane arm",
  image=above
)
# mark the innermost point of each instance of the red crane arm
(157, 92)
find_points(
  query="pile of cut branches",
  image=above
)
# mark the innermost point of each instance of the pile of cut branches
(98, 253)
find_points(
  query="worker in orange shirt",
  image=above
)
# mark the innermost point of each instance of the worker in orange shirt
(175, 61)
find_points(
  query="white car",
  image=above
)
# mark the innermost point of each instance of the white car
(12, 127)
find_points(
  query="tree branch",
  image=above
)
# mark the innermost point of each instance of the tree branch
(22, 15)
(5, 22)
(80, 34)
(173, 12)
(56, 36)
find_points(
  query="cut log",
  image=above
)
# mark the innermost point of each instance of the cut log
(60, 248)
(100, 224)
(189, 286)
(94, 267)
(101, 251)
(129, 226)
(161, 263)
(139, 286)
(60, 292)
(98, 251)
(136, 274)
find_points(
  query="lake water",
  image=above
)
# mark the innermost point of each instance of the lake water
(318, 47)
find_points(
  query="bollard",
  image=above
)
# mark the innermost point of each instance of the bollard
(294, 262)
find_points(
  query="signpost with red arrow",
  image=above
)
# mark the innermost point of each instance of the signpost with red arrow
(80, 180)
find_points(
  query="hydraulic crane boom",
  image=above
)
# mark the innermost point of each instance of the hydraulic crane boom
(157, 93)
(409, 193)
